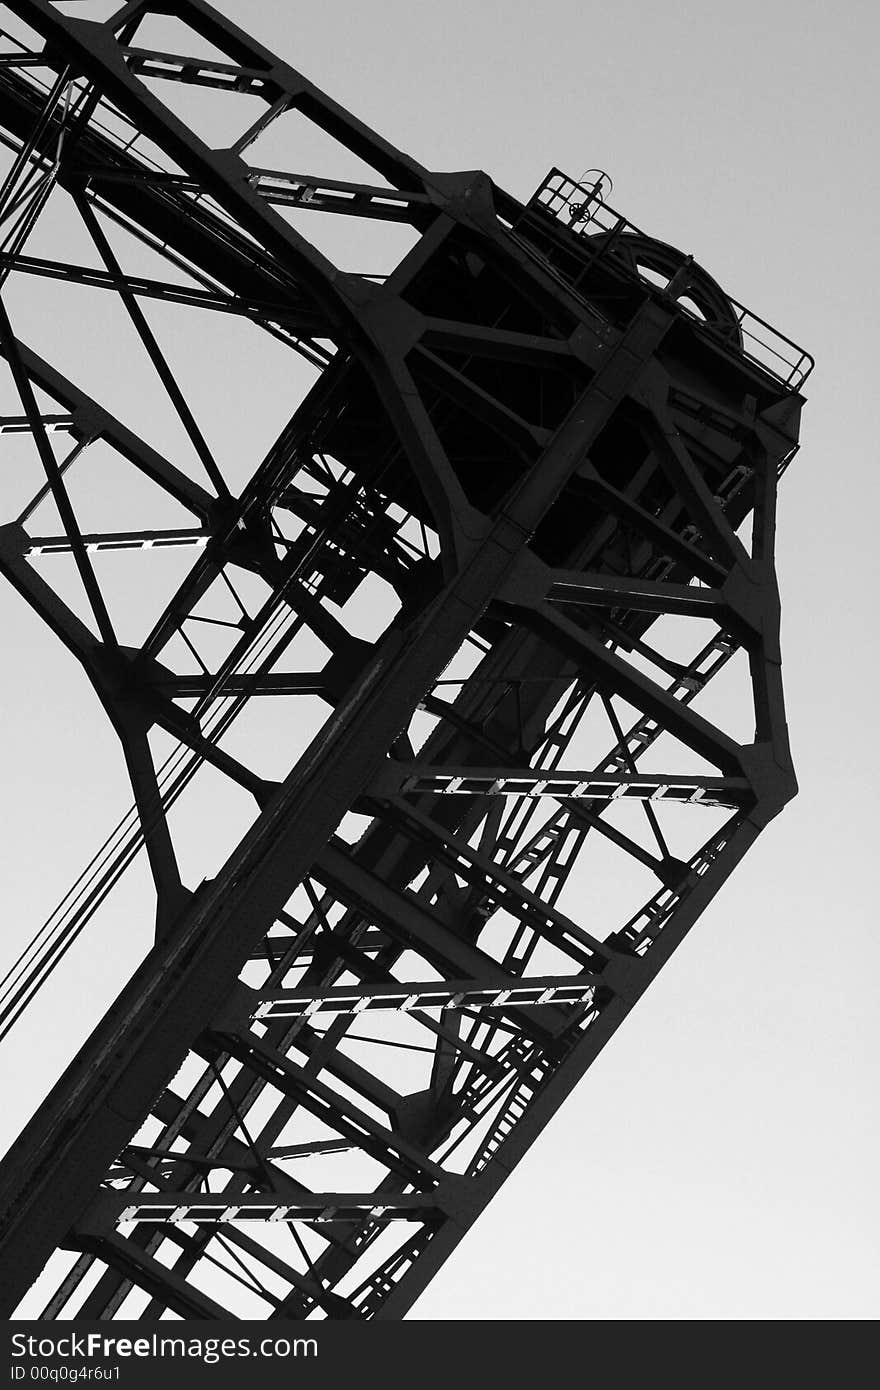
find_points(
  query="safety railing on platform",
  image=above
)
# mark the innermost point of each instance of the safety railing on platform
(581, 209)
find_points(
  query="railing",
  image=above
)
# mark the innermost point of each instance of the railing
(580, 208)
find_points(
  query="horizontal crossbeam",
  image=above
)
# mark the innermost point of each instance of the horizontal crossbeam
(314, 1208)
(401, 778)
(445, 994)
(119, 540)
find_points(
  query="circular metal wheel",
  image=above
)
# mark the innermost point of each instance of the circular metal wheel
(658, 263)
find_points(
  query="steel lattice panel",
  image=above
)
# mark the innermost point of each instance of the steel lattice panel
(542, 431)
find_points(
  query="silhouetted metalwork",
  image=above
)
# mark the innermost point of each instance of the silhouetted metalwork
(541, 430)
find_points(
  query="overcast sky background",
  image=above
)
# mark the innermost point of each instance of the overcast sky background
(720, 1158)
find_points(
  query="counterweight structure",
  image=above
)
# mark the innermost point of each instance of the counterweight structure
(540, 453)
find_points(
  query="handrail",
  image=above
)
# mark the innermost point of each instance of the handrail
(584, 213)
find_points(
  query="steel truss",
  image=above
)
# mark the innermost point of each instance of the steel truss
(543, 432)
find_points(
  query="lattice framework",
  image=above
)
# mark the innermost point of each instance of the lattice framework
(534, 442)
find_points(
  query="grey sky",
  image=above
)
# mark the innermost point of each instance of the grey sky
(720, 1159)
